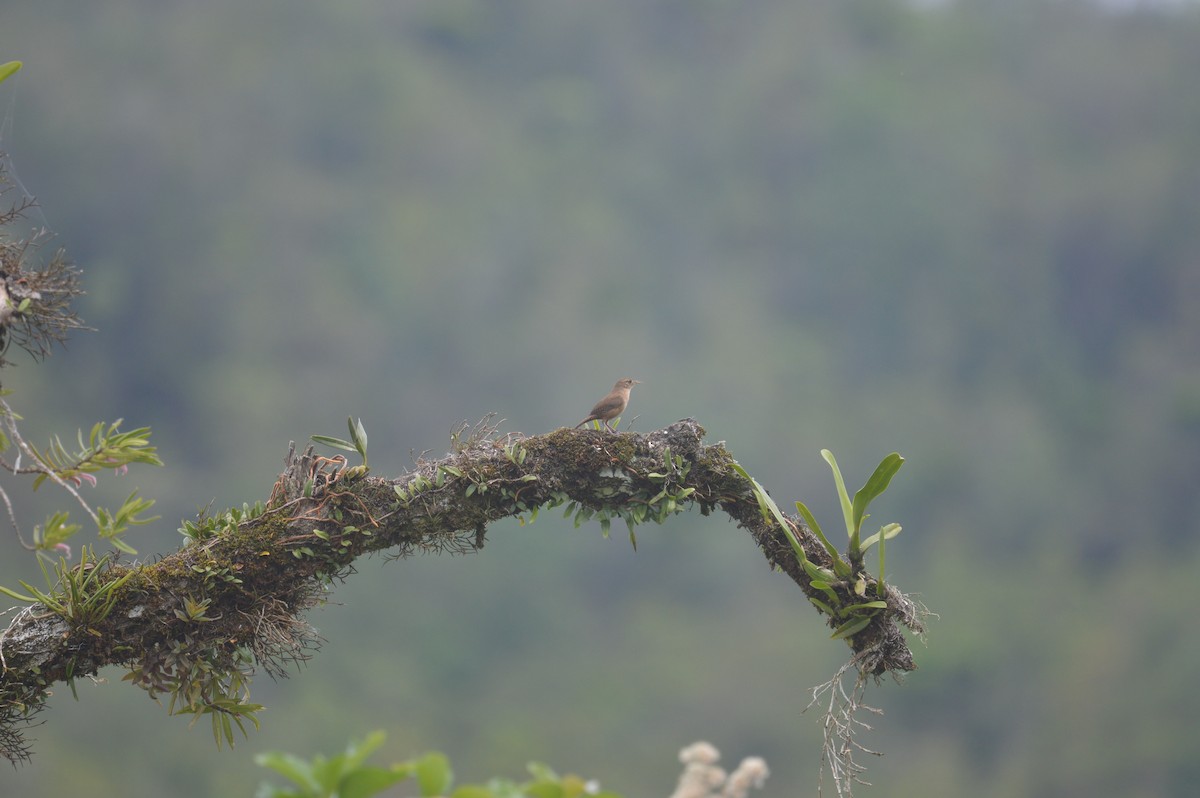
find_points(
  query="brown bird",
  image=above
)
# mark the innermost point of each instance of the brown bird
(612, 405)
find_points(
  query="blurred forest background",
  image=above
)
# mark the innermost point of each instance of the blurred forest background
(967, 231)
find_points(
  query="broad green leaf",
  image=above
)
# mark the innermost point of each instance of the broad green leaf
(851, 627)
(869, 605)
(364, 782)
(817, 572)
(876, 484)
(434, 774)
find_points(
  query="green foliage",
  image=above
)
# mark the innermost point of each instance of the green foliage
(208, 526)
(106, 448)
(201, 680)
(666, 497)
(848, 570)
(357, 442)
(347, 775)
(114, 524)
(8, 70)
(81, 594)
(854, 513)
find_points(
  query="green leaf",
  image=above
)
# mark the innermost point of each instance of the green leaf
(18, 596)
(817, 572)
(807, 515)
(869, 605)
(876, 484)
(769, 510)
(434, 774)
(851, 627)
(358, 434)
(337, 443)
(888, 532)
(287, 765)
(823, 607)
(9, 69)
(121, 545)
(843, 497)
(367, 781)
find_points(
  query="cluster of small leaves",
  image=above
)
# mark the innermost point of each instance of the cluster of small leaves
(201, 680)
(848, 573)
(107, 447)
(346, 775)
(641, 504)
(208, 526)
(81, 594)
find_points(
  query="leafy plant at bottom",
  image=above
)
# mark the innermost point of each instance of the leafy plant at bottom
(202, 681)
(346, 775)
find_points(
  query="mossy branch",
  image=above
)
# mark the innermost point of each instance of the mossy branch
(196, 624)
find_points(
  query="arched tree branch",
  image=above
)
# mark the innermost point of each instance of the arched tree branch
(197, 623)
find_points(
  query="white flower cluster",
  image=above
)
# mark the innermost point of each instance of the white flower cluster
(703, 778)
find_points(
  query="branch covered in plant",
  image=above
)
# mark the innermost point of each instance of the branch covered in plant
(196, 624)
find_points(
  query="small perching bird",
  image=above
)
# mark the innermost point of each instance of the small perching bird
(612, 405)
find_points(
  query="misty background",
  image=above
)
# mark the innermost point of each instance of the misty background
(965, 231)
